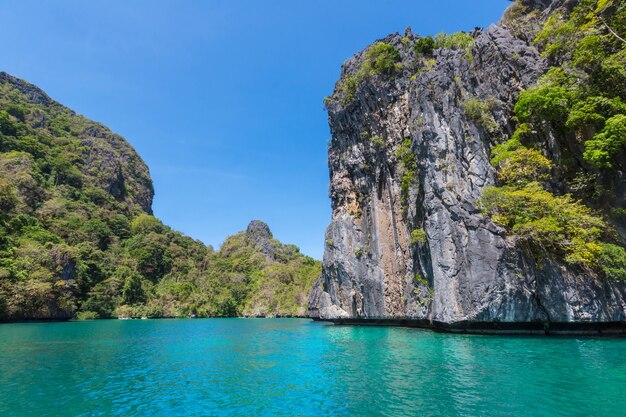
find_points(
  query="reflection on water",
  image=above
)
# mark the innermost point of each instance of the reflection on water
(297, 367)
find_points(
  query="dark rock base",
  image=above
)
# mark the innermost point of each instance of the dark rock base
(614, 328)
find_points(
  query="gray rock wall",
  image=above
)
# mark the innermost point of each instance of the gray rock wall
(467, 268)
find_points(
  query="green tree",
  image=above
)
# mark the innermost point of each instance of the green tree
(519, 165)
(132, 291)
(457, 40)
(381, 58)
(557, 224)
(152, 254)
(608, 143)
(7, 126)
(424, 46)
(418, 236)
(145, 223)
(8, 197)
(543, 102)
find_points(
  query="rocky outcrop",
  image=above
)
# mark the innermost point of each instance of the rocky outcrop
(464, 268)
(259, 234)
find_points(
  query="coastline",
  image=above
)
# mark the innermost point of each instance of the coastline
(609, 328)
(577, 329)
(73, 319)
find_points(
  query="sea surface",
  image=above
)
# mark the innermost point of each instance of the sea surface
(296, 367)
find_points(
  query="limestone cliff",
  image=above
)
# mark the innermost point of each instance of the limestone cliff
(408, 162)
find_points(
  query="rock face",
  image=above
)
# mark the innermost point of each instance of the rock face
(466, 268)
(259, 234)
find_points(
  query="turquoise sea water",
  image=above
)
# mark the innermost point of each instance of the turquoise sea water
(296, 367)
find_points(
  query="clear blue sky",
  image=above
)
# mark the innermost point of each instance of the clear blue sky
(222, 99)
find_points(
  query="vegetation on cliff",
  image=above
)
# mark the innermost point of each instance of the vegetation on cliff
(380, 58)
(580, 102)
(77, 234)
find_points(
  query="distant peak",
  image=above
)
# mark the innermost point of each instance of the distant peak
(259, 234)
(258, 229)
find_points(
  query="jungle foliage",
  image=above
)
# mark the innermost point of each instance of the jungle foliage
(73, 240)
(580, 101)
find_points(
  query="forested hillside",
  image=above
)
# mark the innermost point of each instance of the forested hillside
(77, 235)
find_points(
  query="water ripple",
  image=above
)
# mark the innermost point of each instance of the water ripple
(284, 367)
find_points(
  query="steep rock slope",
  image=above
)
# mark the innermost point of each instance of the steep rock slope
(413, 124)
